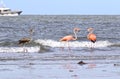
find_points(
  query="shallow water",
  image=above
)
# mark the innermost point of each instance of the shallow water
(62, 69)
(44, 57)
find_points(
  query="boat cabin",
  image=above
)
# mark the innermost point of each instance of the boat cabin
(3, 10)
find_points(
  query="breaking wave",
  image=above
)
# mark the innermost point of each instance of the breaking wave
(53, 43)
(20, 49)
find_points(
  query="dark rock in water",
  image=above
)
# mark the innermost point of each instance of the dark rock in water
(70, 70)
(81, 63)
(116, 64)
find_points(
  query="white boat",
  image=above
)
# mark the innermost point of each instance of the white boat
(4, 11)
(9, 12)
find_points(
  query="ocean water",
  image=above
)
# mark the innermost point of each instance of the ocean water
(44, 56)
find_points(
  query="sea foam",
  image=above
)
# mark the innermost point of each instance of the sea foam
(53, 43)
(20, 49)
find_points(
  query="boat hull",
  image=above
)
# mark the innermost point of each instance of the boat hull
(11, 13)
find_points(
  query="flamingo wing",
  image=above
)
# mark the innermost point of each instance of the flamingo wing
(67, 38)
(92, 37)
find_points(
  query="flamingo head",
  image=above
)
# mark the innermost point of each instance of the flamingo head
(90, 29)
(76, 29)
(31, 31)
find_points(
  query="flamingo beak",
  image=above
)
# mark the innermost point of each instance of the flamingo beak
(78, 30)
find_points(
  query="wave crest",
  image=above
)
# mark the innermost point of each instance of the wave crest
(53, 43)
(20, 49)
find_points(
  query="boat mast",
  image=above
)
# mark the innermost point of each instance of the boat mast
(2, 5)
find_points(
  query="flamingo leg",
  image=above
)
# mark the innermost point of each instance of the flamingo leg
(68, 46)
(69, 50)
(92, 64)
(24, 49)
(91, 46)
(62, 47)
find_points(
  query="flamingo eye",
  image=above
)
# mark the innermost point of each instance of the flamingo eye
(90, 29)
(76, 29)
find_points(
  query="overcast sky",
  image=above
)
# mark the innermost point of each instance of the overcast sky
(54, 7)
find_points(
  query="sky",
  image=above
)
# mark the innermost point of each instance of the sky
(65, 7)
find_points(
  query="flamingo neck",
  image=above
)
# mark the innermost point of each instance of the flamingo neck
(75, 35)
(31, 36)
(31, 33)
(91, 32)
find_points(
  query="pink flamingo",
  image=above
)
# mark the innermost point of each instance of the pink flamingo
(70, 37)
(26, 40)
(91, 36)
